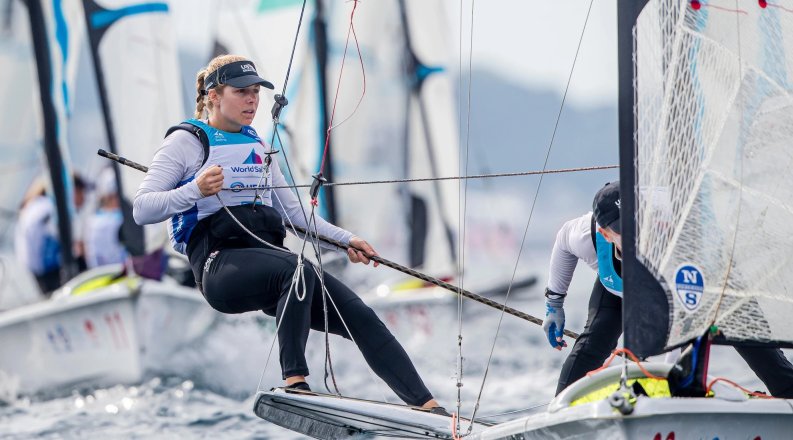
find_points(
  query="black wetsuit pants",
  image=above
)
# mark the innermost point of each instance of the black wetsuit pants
(603, 330)
(243, 280)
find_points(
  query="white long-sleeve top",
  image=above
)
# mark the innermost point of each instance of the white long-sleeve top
(573, 243)
(159, 196)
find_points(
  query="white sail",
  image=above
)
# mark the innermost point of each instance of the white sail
(715, 108)
(264, 31)
(22, 122)
(138, 57)
(403, 128)
(138, 61)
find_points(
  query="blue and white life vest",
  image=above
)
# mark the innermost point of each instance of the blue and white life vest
(242, 157)
(608, 274)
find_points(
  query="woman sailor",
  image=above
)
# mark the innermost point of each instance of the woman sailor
(595, 238)
(238, 272)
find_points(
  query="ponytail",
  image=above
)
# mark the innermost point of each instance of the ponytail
(200, 100)
(202, 103)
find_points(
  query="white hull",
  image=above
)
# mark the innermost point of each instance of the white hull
(727, 415)
(107, 336)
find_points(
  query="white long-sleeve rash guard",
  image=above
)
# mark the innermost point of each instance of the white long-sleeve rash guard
(179, 159)
(573, 243)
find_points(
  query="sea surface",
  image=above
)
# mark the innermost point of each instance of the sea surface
(207, 389)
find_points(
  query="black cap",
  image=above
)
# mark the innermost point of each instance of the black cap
(239, 74)
(606, 206)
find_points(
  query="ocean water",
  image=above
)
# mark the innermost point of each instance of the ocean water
(206, 390)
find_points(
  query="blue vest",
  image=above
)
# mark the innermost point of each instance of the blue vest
(241, 156)
(607, 273)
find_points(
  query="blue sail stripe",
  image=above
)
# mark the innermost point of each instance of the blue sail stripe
(62, 37)
(105, 18)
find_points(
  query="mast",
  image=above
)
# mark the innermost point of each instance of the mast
(636, 279)
(320, 28)
(59, 174)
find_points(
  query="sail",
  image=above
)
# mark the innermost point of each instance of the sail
(139, 82)
(714, 112)
(21, 123)
(39, 49)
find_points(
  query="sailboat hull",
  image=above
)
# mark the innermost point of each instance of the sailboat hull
(334, 417)
(668, 418)
(102, 337)
(729, 414)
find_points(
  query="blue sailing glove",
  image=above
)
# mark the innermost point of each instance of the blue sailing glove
(553, 325)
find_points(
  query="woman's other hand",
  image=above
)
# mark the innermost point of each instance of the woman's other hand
(360, 251)
(210, 181)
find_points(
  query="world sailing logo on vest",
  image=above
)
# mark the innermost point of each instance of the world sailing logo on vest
(689, 286)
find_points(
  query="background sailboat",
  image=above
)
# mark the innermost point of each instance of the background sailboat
(99, 328)
(40, 119)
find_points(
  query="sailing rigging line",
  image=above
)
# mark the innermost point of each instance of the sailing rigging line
(528, 222)
(462, 208)
(515, 411)
(740, 190)
(350, 30)
(429, 179)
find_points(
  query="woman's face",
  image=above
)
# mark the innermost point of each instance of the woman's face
(235, 107)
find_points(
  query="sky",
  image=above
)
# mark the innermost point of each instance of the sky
(532, 42)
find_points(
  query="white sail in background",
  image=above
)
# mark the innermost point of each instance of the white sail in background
(391, 136)
(22, 122)
(714, 206)
(264, 31)
(139, 64)
(141, 72)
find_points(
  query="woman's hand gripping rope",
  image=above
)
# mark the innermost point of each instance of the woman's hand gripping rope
(360, 251)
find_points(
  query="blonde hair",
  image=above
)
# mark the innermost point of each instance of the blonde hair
(202, 100)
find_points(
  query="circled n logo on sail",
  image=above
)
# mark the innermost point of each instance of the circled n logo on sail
(689, 286)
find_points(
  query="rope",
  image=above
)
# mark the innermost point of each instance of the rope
(751, 393)
(125, 161)
(528, 222)
(298, 279)
(350, 30)
(443, 284)
(633, 357)
(430, 179)
(462, 221)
